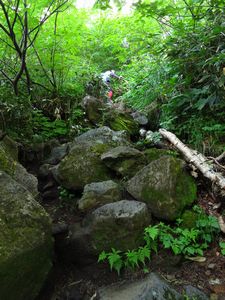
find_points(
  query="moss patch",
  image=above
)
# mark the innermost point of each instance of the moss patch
(7, 164)
(122, 121)
(165, 186)
(153, 154)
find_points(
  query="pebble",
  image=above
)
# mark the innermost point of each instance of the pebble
(211, 266)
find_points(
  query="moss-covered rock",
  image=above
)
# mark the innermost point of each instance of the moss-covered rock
(120, 120)
(25, 242)
(7, 163)
(83, 163)
(12, 167)
(154, 153)
(99, 193)
(10, 146)
(81, 166)
(165, 186)
(94, 109)
(126, 161)
(122, 221)
(103, 135)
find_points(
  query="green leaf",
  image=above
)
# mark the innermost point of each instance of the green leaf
(152, 231)
(102, 256)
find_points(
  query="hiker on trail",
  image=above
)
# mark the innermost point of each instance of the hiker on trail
(106, 79)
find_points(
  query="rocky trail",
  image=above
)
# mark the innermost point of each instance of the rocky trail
(101, 190)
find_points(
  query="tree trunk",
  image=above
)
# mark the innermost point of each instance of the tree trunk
(198, 160)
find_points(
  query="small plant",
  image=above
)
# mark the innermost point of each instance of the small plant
(222, 247)
(114, 258)
(66, 197)
(182, 241)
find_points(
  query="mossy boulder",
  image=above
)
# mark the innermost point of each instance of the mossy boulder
(94, 109)
(119, 120)
(103, 135)
(154, 153)
(82, 166)
(7, 163)
(83, 163)
(123, 221)
(165, 186)
(126, 161)
(25, 242)
(12, 167)
(99, 193)
(10, 146)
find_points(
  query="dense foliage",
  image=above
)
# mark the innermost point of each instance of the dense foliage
(168, 52)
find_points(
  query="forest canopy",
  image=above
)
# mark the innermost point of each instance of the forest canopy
(170, 53)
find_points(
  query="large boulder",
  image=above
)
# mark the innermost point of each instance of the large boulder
(25, 242)
(83, 164)
(10, 146)
(12, 167)
(118, 225)
(99, 193)
(154, 153)
(165, 186)
(125, 160)
(120, 120)
(94, 108)
(103, 135)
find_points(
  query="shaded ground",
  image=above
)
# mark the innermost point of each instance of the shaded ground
(82, 282)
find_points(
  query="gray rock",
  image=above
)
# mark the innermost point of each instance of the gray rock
(57, 154)
(140, 118)
(13, 168)
(94, 108)
(25, 242)
(99, 193)
(124, 160)
(153, 287)
(28, 180)
(194, 293)
(104, 135)
(119, 225)
(165, 186)
(150, 288)
(83, 164)
(10, 146)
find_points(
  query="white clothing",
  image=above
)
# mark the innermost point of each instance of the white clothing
(106, 76)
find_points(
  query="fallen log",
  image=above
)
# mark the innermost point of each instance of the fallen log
(198, 160)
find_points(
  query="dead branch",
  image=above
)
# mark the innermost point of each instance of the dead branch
(197, 159)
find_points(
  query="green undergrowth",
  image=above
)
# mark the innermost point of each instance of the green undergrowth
(180, 240)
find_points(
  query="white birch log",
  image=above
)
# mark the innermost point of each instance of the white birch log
(197, 159)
